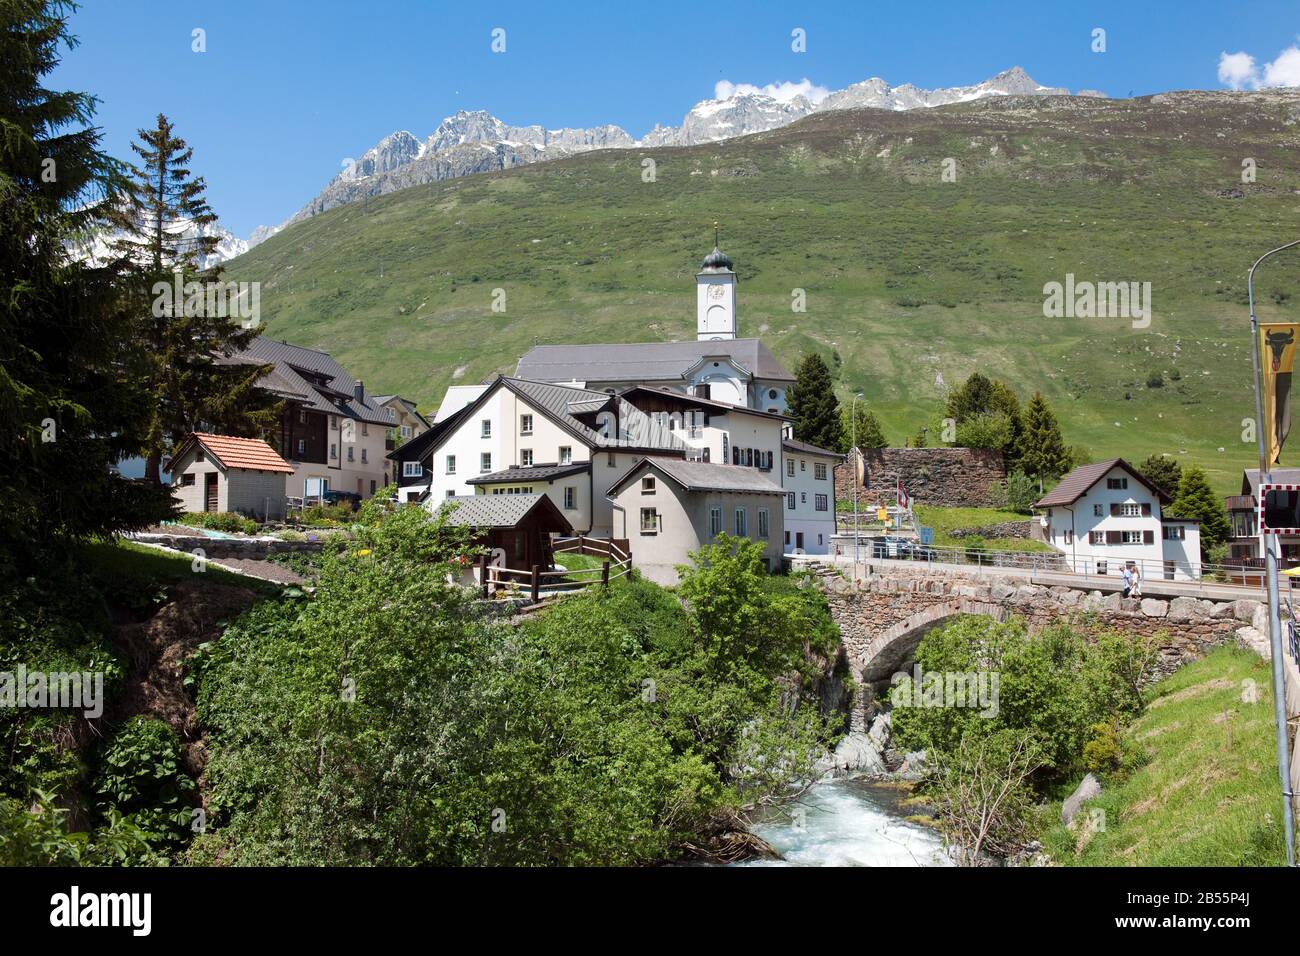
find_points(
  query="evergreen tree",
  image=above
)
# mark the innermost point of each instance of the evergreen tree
(68, 406)
(1195, 499)
(813, 404)
(162, 220)
(1044, 455)
(989, 409)
(869, 434)
(1163, 472)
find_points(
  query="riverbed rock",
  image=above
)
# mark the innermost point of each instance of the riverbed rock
(880, 732)
(1088, 788)
(858, 753)
(913, 767)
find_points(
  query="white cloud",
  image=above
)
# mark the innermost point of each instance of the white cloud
(1239, 70)
(1285, 70)
(781, 92)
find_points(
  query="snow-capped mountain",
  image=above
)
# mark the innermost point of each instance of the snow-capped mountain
(98, 248)
(476, 141)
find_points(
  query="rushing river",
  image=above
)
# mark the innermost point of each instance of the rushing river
(849, 823)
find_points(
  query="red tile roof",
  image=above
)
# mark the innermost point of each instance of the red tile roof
(249, 453)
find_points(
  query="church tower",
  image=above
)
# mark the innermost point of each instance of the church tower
(715, 296)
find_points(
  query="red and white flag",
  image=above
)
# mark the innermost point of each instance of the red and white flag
(904, 502)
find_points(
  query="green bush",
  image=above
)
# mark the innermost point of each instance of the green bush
(224, 521)
(139, 776)
(386, 721)
(1018, 493)
(1053, 686)
(1103, 753)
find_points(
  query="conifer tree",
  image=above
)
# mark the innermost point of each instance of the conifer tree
(1044, 455)
(868, 432)
(164, 222)
(1163, 472)
(1195, 499)
(813, 405)
(69, 409)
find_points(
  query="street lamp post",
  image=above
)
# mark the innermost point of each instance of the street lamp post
(1270, 563)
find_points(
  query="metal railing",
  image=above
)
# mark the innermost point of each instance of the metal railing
(1104, 570)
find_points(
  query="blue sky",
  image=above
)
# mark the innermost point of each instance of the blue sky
(289, 88)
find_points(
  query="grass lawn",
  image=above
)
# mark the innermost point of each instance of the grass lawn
(121, 566)
(579, 562)
(1208, 793)
(946, 520)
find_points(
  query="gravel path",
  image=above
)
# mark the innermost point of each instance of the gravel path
(266, 570)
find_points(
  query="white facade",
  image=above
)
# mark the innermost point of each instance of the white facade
(808, 477)
(1117, 520)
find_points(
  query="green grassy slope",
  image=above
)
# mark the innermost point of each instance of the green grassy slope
(907, 277)
(1209, 794)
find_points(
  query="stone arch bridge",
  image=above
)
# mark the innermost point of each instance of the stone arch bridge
(883, 617)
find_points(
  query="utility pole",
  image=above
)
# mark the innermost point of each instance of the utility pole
(1270, 563)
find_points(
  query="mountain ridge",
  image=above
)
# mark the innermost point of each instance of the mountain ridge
(401, 159)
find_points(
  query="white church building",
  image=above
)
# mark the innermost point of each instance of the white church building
(664, 444)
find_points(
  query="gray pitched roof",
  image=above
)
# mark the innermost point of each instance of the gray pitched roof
(491, 511)
(1285, 476)
(636, 429)
(643, 361)
(791, 444)
(705, 476)
(286, 380)
(531, 473)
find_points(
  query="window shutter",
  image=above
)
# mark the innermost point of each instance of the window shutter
(1114, 509)
(1146, 509)
(1148, 537)
(1112, 537)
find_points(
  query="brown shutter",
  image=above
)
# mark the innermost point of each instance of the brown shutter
(1146, 509)
(1114, 509)
(1148, 537)
(1112, 537)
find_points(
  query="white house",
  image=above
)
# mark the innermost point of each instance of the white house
(521, 437)
(808, 477)
(1104, 516)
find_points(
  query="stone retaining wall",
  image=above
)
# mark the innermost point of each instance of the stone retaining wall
(1003, 529)
(253, 548)
(954, 477)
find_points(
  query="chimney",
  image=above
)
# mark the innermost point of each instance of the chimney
(359, 391)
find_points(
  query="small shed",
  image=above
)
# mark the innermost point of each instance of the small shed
(518, 526)
(223, 473)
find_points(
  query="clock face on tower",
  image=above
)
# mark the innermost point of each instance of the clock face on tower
(716, 292)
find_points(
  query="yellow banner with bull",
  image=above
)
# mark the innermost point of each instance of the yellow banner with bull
(1277, 348)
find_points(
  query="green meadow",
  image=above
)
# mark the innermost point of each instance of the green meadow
(910, 282)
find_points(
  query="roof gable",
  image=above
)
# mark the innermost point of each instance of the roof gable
(250, 454)
(500, 511)
(702, 476)
(1082, 479)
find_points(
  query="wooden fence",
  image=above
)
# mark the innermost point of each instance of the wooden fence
(617, 562)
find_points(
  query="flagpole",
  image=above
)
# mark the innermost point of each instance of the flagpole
(1270, 563)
